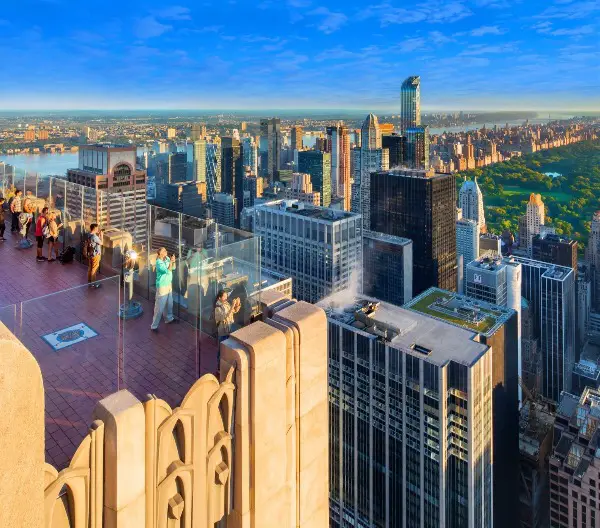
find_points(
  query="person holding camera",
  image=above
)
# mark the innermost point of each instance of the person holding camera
(224, 313)
(163, 303)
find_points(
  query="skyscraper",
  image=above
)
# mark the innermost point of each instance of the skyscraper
(296, 139)
(199, 161)
(270, 148)
(387, 267)
(301, 189)
(550, 291)
(470, 200)
(232, 173)
(250, 153)
(410, 419)
(467, 248)
(410, 103)
(421, 206)
(224, 209)
(592, 256)
(213, 169)
(417, 148)
(319, 247)
(555, 249)
(370, 157)
(338, 144)
(318, 165)
(396, 145)
(197, 132)
(534, 219)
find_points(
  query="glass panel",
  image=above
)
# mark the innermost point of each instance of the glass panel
(75, 337)
(8, 317)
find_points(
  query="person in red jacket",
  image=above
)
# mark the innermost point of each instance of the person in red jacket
(40, 224)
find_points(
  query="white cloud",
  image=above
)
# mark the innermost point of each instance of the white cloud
(439, 38)
(486, 30)
(331, 21)
(174, 13)
(149, 27)
(432, 12)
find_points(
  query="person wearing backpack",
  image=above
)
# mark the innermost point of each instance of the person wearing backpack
(41, 232)
(92, 250)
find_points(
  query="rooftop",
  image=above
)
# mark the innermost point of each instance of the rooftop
(464, 312)
(303, 209)
(387, 238)
(412, 332)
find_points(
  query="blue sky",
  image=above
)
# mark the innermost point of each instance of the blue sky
(470, 54)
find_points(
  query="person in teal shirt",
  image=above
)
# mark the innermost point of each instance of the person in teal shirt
(163, 304)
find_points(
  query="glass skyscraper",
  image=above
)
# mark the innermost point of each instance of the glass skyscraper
(318, 165)
(270, 148)
(410, 103)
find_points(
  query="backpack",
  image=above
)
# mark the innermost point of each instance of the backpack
(88, 247)
(67, 255)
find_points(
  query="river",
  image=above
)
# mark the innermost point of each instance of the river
(42, 164)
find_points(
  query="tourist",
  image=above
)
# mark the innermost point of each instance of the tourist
(53, 228)
(24, 219)
(224, 313)
(2, 226)
(41, 229)
(163, 304)
(16, 208)
(29, 206)
(92, 251)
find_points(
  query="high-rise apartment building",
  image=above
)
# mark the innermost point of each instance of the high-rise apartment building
(592, 256)
(171, 133)
(296, 142)
(338, 145)
(387, 267)
(490, 243)
(467, 248)
(550, 291)
(534, 219)
(416, 154)
(319, 248)
(575, 462)
(396, 145)
(270, 148)
(470, 200)
(117, 190)
(555, 249)
(410, 419)
(498, 328)
(410, 103)
(232, 172)
(421, 206)
(197, 132)
(318, 165)
(301, 189)
(250, 154)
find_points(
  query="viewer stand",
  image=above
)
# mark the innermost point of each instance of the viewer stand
(130, 309)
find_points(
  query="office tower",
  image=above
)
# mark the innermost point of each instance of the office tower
(296, 139)
(301, 189)
(584, 302)
(169, 168)
(250, 154)
(223, 209)
(187, 198)
(369, 158)
(490, 243)
(498, 328)
(387, 267)
(171, 133)
(531, 359)
(467, 248)
(197, 132)
(321, 144)
(270, 148)
(318, 165)
(408, 395)
(534, 219)
(117, 190)
(338, 144)
(232, 172)
(536, 425)
(417, 148)
(199, 161)
(421, 206)
(555, 249)
(592, 256)
(319, 248)
(395, 144)
(213, 169)
(575, 461)
(254, 186)
(470, 200)
(410, 103)
(550, 291)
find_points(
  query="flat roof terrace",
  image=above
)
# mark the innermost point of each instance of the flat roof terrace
(85, 351)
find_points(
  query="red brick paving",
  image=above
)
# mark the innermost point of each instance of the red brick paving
(125, 354)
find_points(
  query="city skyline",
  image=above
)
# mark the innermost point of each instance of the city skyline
(478, 54)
